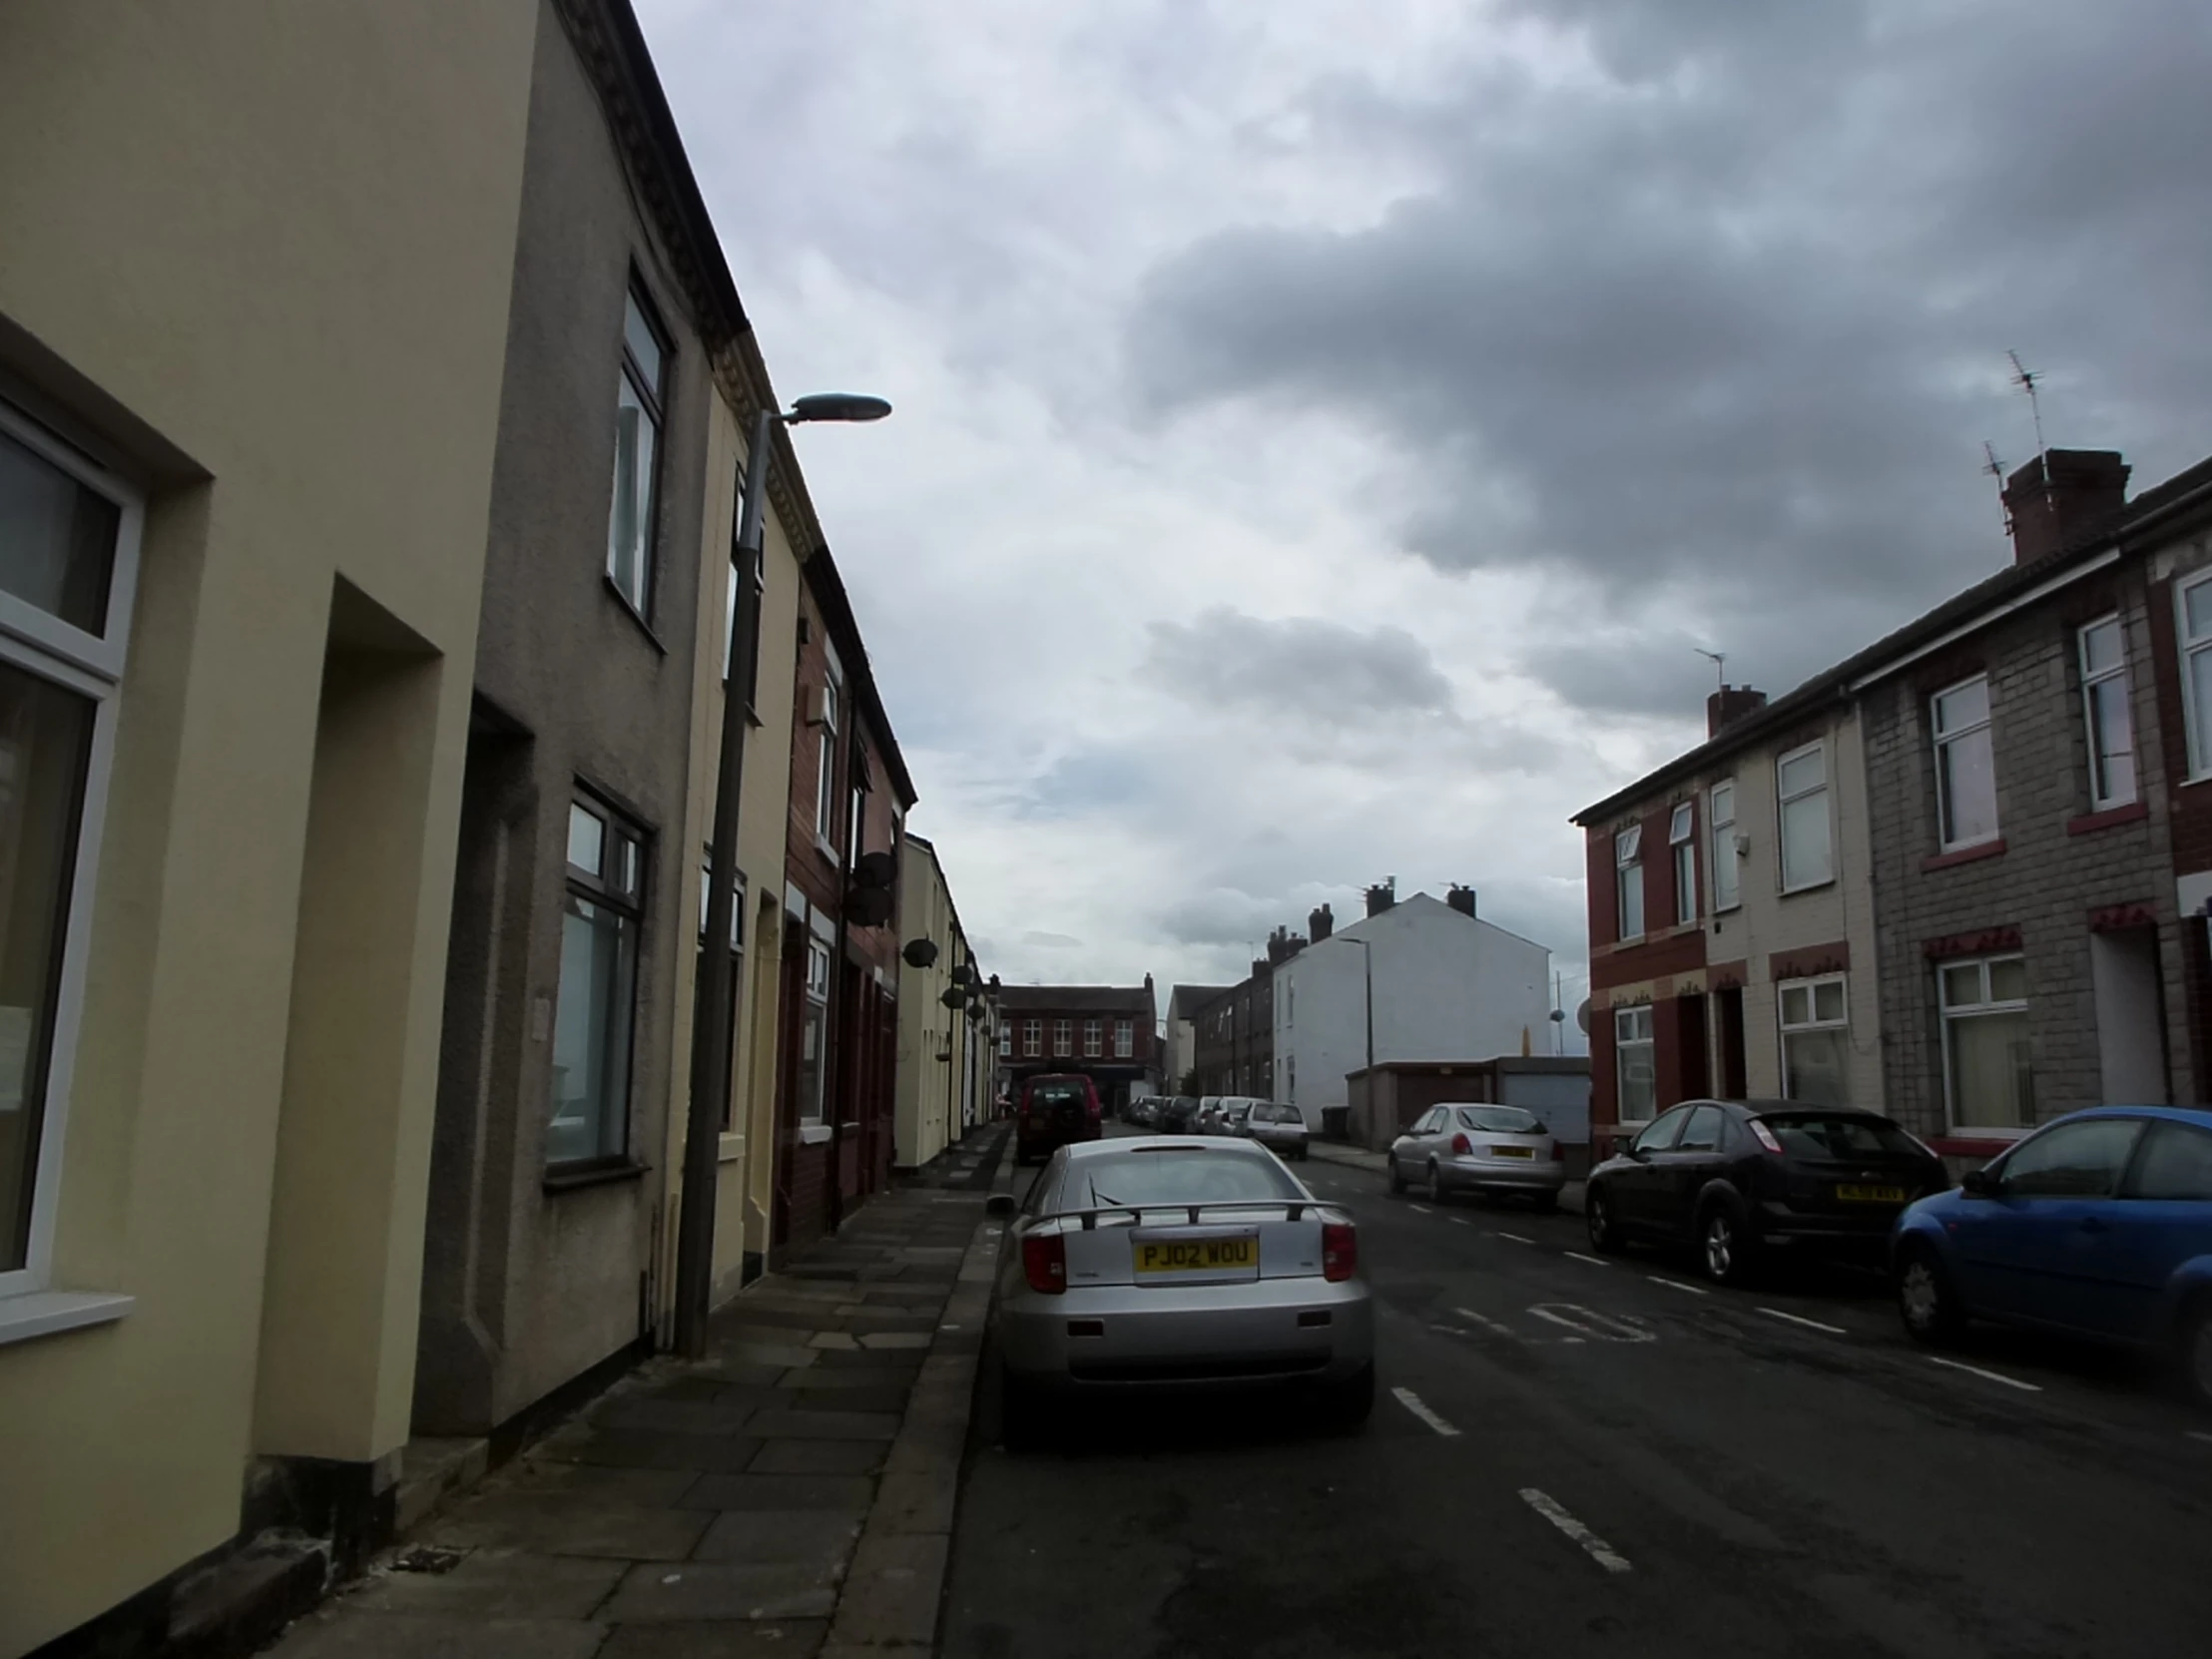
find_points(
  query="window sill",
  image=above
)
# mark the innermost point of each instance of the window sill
(48, 1313)
(2089, 822)
(813, 1134)
(828, 853)
(567, 1177)
(1965, 855)
(1808, 886)
(729, 1148)
(636, 616)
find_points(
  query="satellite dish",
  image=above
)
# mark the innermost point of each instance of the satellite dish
(1582, 1016)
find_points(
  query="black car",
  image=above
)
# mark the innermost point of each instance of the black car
(1178, 1115)
(1738, 1177)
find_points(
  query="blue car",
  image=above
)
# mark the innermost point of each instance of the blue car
(2098, 1224)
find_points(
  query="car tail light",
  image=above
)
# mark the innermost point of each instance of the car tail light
(1045, 1262)
(1461, 1146)
(1766, 1136)
(1340, 1249)
(1558, 1152)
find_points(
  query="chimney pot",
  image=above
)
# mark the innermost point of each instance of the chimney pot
(2062, 497)
(1381, 896)
(1320, 924)
(1729, 704)
(1461, 898)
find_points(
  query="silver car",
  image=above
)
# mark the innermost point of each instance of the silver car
(1167, 1263)
(1482, 1149)
(1279, 1128)
(1209, 1115)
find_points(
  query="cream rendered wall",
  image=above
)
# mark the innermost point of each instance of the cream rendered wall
(298, 277)
(928, 1107)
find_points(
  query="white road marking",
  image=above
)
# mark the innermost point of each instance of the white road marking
(1605, 1326)
(1676, 1284)
(1515, 1236)
(1594, 1546)
(1810, 1325)
(1594, 1261)
(2198, 1435)
(1488, 1325)
(1461, 1221)
(1993, 1376)
(1420, 1209)
(1412, 1402)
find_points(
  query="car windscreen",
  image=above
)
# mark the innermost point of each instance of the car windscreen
(1812, 1136)
(1177, 1177)
(1275, 1114)
(1056, 1094)
(1501, 1120)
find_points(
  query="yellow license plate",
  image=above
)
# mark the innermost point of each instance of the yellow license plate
(1871, 1195)
(1512, 1152)
(1196, 1255)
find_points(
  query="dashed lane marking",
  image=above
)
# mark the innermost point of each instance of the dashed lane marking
(1460, 1220)
(1593, 1546)
(1420, 1209)
(1606, 1328)
(1992, 1376)
(1676, 1284)
(1515, 1236)
(1488, 1325)
(2198, 1435)
(1594, 1261)
(1799, 1319)
(1412, 1402)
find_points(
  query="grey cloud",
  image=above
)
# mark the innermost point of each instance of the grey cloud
(1052, 941)
(1320, 670)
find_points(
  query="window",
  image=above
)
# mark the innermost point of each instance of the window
(2074, 1159)
(1063, 1038)
(2175, 1166)
(1680, 832)
(590, 1112)
(1814, 1041)
(1721, 813)
(2105, 713)
(1701, 1131)
(813, 1034)
(1005, 1042)
(1966, 768)
(1091, 1049)
(1633, 1063)
(855, 826)
(1801, 794)
(2193, 623)
(1033, 1037)
(1661, 1136)
(637, 450)
(1628, 881)
(826, 774)
(1125, 1038)
(68, 565)
(1987, 1073)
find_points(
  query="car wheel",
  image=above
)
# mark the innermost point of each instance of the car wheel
(1435, 1183)
(1724, 1244)
(1926, 1303)
(1605, 1235)
(1022, 1417)
(1398, 1179)
(2193, 1352)
(1348, 1404)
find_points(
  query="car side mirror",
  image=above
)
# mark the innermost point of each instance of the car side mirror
(999, 1205)
(1979, 1183)
(1632, 1150)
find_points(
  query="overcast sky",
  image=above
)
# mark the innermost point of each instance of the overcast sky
(1327, 428)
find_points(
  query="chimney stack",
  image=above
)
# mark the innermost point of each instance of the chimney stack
(1258, 968)
(2062, 497)
(1462, 899)
(1729, 704)
(1320, 924)
(1381, 896)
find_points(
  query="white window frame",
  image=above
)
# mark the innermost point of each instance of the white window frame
(1032, 1039)
(2189, 648)
(2101, 800)
(826, 779)
(1721, 832)
(651, 392)
(1094, 1039)
(38, 643)
(1785, 1029)
(1006, 1041)
(1781, 817)
(1940, 740)
(1063, 1039)
(1628, 847)
(1628, 1020)
(1682, 845)
(1947, 1015)
(1125, 1038)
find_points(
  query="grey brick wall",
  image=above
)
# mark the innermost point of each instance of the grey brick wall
(2046, 883)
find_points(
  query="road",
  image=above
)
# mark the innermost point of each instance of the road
(1573, 1455)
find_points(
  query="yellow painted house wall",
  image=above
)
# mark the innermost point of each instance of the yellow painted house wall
(265, 253)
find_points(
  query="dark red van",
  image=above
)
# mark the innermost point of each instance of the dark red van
(1056, 1108)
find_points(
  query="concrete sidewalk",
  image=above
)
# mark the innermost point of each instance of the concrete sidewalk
(793, 1493)
(1376, 1163)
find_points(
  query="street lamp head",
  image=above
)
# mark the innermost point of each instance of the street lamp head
(837, 405)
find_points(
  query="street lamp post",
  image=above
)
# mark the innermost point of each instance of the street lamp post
(713, 1028)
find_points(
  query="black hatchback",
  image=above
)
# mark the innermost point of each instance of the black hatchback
(1738, 1177)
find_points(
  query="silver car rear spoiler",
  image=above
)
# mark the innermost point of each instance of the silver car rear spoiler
(1294, 1209)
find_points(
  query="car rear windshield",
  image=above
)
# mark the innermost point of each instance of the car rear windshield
(1842, 1137)
(1275, 1114)
(1178, 1176)
(1501, 1120)
(1056, 1094)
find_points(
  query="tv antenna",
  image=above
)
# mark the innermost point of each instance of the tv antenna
(1995, 469)
(1720, 665)
(2027, 380)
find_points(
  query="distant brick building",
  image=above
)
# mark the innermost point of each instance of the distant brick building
(1107, 1032)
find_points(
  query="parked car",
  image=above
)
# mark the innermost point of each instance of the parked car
(2098, 1224)
(1179, 1115)
(1056, 1108)
(1153, 1264)
(1209, 1114)
(1478, 1148)
(1230, 1118)
(1143, 1112)
(1279, 1128)
(1739, 1177)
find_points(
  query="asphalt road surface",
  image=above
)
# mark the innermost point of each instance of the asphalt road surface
(1601, 1455)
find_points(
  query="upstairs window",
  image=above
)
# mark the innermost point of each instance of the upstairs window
(2105, 713)
(1965, 764)
(1721, 815)
(1033, 1038)
(1800, 798)
(637, 455)
(2193, 627)
(826, 774)
(1681, 832)
(1091, 1039)
(1628, 883)
(1063, 1038)
(1125, 1038)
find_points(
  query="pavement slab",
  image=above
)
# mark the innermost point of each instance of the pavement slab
(818, 1458)
(698, 1590)
(852, 1494)
(825, 1426)
(722, 1639)
(495, 1583)
(656, 1448)
(822, 1536)
(337, 1633)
